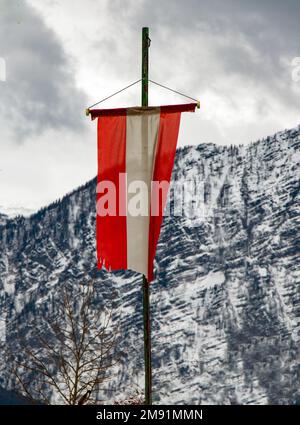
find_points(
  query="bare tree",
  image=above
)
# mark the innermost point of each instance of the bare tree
(67, 359)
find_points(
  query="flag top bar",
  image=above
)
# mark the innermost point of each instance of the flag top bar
(136, 110)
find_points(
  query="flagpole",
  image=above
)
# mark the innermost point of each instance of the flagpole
(146, 289)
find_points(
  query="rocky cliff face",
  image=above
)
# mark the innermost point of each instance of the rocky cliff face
(226, 299)
(11, 398)
(3, 218)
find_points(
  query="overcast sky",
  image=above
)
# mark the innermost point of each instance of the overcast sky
(63, 55)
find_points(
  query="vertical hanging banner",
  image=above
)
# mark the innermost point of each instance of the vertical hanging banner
(136, 152)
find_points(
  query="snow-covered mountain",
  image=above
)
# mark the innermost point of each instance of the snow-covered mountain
(13, 212)
(3, 218)
(11, 398)
(226, 299)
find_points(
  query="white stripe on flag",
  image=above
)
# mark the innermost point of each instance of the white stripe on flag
(141, 139)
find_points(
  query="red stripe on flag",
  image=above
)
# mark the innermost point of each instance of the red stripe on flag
(164, 161)
(111, 230)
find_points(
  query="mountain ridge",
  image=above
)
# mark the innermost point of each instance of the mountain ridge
(225, 303)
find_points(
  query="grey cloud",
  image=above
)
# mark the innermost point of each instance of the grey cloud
(40, 91)
(235, 38)
(228, 51)
(270, 28)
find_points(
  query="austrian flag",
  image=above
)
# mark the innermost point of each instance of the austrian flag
(136, 151)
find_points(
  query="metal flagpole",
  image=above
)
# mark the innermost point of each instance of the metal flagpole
(146, 289)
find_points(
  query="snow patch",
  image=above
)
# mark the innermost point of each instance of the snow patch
(211, 280)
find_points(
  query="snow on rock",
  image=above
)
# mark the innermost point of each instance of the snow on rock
(225, 304)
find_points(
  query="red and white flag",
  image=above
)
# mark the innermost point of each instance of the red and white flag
(136, 147)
